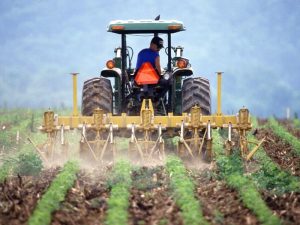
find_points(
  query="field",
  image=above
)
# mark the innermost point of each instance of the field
(229, 190)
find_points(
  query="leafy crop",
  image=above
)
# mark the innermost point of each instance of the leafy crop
(296, 123)
(183, 189)
(55, 194)
(25, 163)
(231, 171)
(285, 135)
(118, 203)
(270, 176)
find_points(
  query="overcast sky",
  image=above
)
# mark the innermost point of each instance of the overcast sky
(255, 43)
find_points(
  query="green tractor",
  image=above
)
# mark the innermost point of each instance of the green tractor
(116, 104)
(126, 96)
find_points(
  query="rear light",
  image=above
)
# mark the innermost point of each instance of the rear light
(181, 63)
(117, 27)
(110, 64)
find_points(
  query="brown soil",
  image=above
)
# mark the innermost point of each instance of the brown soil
(221, 204)
(19, 196)
(151, 201)
(86, 202)
(286, 206)
(279, 151)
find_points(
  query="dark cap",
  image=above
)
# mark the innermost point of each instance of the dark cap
(158, 41)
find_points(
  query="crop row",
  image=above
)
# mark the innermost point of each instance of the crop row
(55, 194)
(183, 189)
(270, 176)
(118, 202)
(284, 135)
(231, 170)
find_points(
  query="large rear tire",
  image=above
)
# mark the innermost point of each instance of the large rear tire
(196, 91)
(96, 93)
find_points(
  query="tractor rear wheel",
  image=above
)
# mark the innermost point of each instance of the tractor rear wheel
(196, 91)
(96, 93)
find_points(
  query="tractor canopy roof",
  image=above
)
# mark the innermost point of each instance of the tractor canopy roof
(145, 26)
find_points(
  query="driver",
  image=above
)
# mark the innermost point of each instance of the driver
(151, 54)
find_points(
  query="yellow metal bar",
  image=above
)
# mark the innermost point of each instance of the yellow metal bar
(219, 94)
(75, 109)
(166, 121)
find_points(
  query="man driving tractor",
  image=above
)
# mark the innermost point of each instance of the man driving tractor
(151, 54)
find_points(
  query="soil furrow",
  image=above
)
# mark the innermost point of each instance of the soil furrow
(151, 200)
(287, 206)
(279, 151)
(86, 202)
(221, 204)
(19, 196)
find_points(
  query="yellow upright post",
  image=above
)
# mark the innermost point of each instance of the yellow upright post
(219, 94)
(75, 109)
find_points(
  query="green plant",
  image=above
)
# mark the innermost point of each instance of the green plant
(55, 194)
(284, 135)
(28, 163)
(231, 171)
(183, 189)
(118, 203)
(5, 170)
(270, 176)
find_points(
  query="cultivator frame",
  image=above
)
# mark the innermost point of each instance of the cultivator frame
(145, 124)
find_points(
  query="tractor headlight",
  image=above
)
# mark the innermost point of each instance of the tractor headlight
(110, 64)
(182, 63)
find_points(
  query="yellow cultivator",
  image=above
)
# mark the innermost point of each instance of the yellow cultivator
(142, 128)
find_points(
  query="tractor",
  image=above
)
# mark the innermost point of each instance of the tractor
(115, 105)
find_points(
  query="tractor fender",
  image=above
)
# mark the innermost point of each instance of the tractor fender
(114, 72)
(182, 72)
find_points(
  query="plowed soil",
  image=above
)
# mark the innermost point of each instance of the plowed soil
(279, 151)
(19, 195)
(286, 206)
(221, 204)
(151, 199)
(86, 202)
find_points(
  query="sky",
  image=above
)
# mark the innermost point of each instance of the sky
(255, 43)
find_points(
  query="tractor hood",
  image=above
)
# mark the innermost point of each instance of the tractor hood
(145, 26)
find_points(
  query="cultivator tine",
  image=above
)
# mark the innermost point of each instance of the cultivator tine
(229, 143)
(182, 143)
(62, 137)
(202, 142)
(159, 145)
(134, 141)
(109, 141)
(89, 146)
(208, 151)
(39, 151)
(258, 144)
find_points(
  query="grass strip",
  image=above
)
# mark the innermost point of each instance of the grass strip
(5, 170)
(281, 132)
(296, 123)
(270, 176)
(118, 203)
(184, 189)
(55, 194)
(231, 170)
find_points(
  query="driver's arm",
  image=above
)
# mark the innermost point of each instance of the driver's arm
(157, 64)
